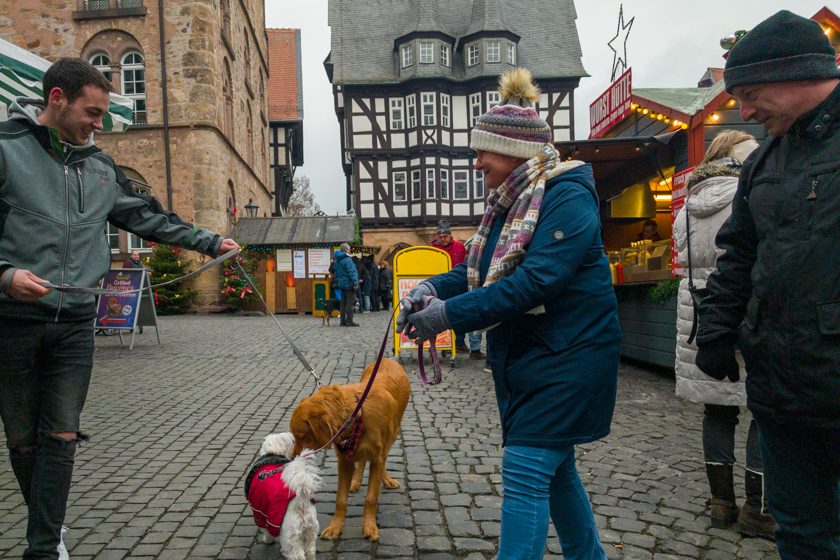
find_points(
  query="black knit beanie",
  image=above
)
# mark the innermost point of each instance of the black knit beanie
(783, 48)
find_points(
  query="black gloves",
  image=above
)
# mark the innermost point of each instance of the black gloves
(717, 359)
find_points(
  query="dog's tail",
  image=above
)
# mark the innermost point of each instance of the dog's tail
(302, 476)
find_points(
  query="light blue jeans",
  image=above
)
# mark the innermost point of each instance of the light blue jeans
(539, 483)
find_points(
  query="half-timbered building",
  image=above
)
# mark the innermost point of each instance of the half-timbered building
(285, 112)
(410, 78)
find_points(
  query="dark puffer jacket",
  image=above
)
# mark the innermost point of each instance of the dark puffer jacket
(778, 282)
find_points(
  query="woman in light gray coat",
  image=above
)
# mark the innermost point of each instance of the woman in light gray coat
(711, 188)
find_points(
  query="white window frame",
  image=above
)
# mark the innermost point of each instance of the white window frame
(444, 56)
(478, 183)
(444, 184)
(416, 185)
(136, 243)
(493, 51)
(102, 62)
(445, 102)
(493, 99)
(411, 111)
(472, 55)
(397, 113)
(475, 108)
(139, 97)
(407, 53)
(427, 52)
(461, 178)
(112, 235)
(428, 103)
(430, 183)
(400, 186)
(511, 54)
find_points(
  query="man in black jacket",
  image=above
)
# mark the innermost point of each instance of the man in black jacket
(777, 287)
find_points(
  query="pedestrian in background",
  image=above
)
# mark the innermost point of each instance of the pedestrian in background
(46, 336)
(373, 271)
(776, 290)
(347, 278)
(711, 188)
(538, 279)
(385, 286)
(365, 283)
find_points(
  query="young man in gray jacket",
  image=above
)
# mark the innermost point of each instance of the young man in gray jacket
(57, 191)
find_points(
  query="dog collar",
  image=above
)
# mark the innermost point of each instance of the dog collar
(347, 446)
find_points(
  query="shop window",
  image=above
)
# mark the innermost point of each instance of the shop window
(427, 53)
(493, 51)
(112, 234)
(411, 111)
(397, 114)
(133, 81)
(399, 186)
(407, 56)
(444, 184)
(444, 55)
(416, 185)
(429, 116)
(136, 243)
(472, 55)
(103, 64)
(444, 110)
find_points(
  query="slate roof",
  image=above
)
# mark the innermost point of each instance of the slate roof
(487, 15)
(285, 82)
(295, 230)
(689, 101)
(363, 34)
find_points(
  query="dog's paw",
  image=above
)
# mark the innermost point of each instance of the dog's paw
(265, 538)
(371, 531)
(389, 482)
(332, 532)
(354, 486)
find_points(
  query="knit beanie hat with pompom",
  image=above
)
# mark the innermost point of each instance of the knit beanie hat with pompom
(513, 127)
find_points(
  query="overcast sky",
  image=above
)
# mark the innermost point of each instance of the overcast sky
(671, 44)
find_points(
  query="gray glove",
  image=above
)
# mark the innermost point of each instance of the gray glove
(426, 324)
(414, 301)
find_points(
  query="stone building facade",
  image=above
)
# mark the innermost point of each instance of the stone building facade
(200, 139)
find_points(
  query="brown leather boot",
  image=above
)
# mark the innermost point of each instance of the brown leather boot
(724, 510)
(754, 520)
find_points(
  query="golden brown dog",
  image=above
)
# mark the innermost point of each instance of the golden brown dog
(318, 417)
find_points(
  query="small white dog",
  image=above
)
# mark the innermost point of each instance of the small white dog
(281, 492)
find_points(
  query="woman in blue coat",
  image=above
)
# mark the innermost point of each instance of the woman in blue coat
(538, 280)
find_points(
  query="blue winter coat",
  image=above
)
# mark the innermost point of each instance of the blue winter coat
(555, 373)
(346, 275)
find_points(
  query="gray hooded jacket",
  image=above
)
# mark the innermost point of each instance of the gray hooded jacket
(53, 211)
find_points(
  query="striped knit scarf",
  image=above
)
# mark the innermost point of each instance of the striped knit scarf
(519, 198)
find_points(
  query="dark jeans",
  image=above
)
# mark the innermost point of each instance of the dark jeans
(44, 376)
(719, 423)
(802, 480)
(348, 300)
(385, 299)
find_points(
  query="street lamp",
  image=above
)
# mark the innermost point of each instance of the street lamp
(251, 209)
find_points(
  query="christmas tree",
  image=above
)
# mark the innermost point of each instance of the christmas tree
(236, 290)
(166, 264)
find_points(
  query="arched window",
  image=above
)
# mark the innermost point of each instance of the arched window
(225, 6)
(227, 89)
(103, 64)
(133, 79)
(247, 58)
(231, 206)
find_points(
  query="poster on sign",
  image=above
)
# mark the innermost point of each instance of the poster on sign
(612, 106)
(319, 261)
(119, 311)
(678, 194)
(299, 259)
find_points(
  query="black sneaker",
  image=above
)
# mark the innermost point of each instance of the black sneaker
(353, 325)
(477, 355)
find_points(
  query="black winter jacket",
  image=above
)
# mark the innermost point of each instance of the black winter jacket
(778, 283)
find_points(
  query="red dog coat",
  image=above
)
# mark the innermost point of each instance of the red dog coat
(268, 495)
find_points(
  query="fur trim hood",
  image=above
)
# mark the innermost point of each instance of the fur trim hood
(711, 187)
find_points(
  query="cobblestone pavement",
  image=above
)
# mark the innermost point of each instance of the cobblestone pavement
(175, 427)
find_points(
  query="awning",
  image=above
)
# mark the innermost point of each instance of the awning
(302, 230)
(20, 76)
(620, 162)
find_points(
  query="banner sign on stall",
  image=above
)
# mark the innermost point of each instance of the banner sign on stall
(300, 264)
(319, 261)
(284, 260)
(678, 194)
(612, 106)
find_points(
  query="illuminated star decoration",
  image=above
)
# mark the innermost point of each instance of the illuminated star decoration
(620, 30)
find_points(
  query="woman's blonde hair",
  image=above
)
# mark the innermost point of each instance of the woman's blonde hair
(723, 143)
